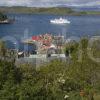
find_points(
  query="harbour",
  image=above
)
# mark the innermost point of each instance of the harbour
(43, 35)
(49, 50)
(35, 24)
(49, 47)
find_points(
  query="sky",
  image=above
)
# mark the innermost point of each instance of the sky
(49, 3)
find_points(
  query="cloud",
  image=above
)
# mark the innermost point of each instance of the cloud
(88, 4)
(15, 2)
(49, 3)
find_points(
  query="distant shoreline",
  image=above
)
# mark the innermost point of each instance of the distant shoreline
(53, 11)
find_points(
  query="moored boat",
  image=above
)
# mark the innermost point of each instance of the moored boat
(7, 21)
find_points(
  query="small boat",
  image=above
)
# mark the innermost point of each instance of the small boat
(7, 21)
(60, 21)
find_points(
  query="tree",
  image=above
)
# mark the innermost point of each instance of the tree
(2, 49)
(2, 17)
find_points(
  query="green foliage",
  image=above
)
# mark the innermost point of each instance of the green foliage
(2, 17)
(71, 49)
(53, 81)
(2, 48)
(8, 80)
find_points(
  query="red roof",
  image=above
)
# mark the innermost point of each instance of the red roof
(36, 38)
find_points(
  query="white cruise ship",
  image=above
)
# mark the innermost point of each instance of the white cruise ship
(60, 21)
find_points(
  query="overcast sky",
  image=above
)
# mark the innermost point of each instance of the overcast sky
(49, 3)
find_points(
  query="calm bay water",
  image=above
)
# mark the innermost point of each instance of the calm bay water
(35, 24)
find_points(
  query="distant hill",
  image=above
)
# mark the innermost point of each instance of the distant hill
(86, 8)
(53, 10)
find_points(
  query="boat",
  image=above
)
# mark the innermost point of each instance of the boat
(7, 21)
(60, 21)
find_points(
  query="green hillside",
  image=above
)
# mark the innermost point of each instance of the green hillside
(36, 10)
(53, 10)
